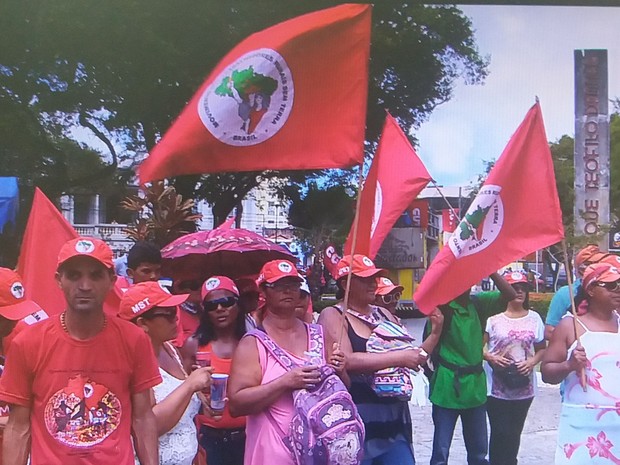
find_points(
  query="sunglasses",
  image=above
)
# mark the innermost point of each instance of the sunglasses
(612, 287)
(281, 287)
(212, 305)
(389, 298)
(152, 314)
(190, 285)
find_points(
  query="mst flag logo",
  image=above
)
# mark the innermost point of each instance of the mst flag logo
(250, 100)
(481, 224)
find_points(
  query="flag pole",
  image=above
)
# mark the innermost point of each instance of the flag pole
(569, 279)
(446, 200)
(356, 218)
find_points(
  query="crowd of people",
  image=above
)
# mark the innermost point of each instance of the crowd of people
(221, 371)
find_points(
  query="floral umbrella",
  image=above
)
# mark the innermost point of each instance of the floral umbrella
(230, 252)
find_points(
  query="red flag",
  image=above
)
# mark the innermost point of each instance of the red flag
(516, 212)
(290, 97)
(419, 213)
(396, 177)
(449, 220)
(331, 261)
(46, 232)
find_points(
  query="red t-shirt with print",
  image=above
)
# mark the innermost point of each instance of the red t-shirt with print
(79, 392)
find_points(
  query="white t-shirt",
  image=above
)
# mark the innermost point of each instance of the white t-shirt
(513, 338)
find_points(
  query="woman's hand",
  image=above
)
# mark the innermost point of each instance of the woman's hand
(338, 360)
(413, 358)
(578, 359)
(302, 377)
(497, 359)
(200, 379)
(436, 318)
(525, 367)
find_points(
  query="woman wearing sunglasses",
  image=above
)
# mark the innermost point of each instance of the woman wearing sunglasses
(175, 403)
(387, 294)
(589, 430)
(222, 325)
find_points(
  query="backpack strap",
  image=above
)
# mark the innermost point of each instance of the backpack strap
(274, 349)
(316, 340)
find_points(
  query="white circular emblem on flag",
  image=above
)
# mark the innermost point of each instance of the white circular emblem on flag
(84, 246)
(17, 290)
(285, 267)
(250, 101)
(376, 214)
(481, 224)
(212, 283)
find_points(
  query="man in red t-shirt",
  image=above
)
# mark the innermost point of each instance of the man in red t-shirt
(13, 307)
(79, 383)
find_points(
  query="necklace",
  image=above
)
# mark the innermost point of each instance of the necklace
(63, 322)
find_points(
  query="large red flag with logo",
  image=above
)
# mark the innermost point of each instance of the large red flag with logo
(290, 97)
(395, 179)
(516, 212)
(46, 232)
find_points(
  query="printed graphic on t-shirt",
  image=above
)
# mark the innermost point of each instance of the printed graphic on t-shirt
(82, 414)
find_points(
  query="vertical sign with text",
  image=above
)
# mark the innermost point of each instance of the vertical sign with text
(591, 207)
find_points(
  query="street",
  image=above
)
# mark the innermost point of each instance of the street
(538, 440)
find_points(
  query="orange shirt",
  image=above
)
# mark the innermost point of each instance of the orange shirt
(220, 365)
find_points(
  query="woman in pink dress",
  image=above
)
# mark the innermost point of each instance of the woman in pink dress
(589, 431)
(259, 386)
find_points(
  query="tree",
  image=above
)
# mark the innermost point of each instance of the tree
(124, 70)
(162, 215)
(322, 216)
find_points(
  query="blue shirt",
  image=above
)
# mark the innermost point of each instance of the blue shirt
(560, 303)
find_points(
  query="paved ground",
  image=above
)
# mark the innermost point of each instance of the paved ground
(537, 441)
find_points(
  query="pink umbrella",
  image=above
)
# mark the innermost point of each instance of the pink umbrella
(229, 252)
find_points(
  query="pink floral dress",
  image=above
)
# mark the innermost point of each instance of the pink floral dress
(589, 431)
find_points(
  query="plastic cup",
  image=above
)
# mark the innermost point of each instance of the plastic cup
(218, 392)
(203, 359)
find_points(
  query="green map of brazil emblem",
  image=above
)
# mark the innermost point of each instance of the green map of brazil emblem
(481, 224)
(250, 101)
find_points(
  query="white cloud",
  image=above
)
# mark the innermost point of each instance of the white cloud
(531, 52)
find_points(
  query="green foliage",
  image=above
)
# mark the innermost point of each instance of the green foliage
(322, 216)
(123, 70)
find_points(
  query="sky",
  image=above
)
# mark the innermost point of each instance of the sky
(531, 54)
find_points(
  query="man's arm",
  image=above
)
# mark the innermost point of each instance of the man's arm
(16, 445)
(502, 285)
(144, 428)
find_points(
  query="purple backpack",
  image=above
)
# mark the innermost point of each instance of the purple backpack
(326, 428)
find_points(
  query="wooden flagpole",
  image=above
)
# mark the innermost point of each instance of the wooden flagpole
(569, 279)
(446, 200)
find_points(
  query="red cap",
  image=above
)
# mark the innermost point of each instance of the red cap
(612, 259)
(514, 277)
(218, 282)
(385, 286)
(275, 270)
(586, 255)
(13, 303)
(147, 295)
(600, 273)
(87, 247)
(362, 267)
